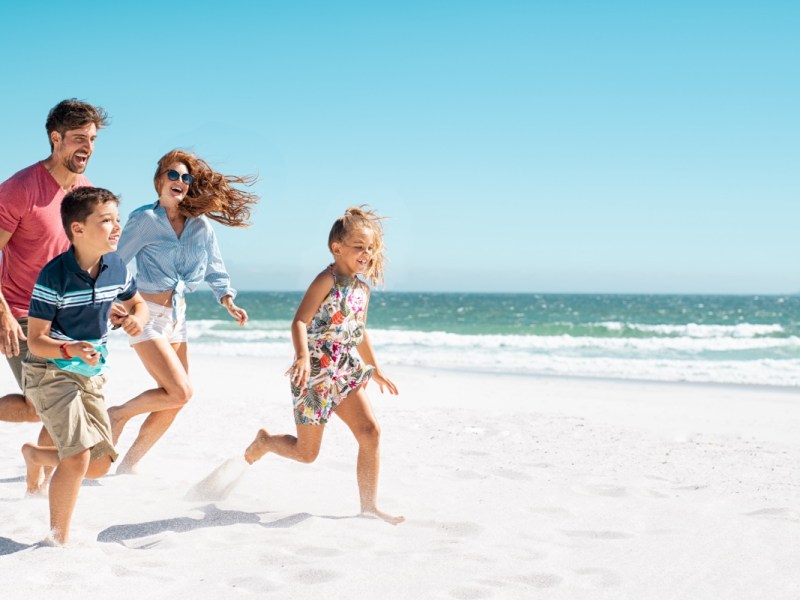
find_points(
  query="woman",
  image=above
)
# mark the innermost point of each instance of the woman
(175, 249)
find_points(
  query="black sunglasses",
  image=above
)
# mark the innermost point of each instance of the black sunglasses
(173, 175)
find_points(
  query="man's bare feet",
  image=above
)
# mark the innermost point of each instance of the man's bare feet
(33, 472)
(258, 448)
(379, 514)
(117, 424)
(48, 475)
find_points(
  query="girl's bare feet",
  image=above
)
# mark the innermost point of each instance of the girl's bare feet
(374, 512)
(258, 448)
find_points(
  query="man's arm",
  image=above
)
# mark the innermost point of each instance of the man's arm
(10, 331)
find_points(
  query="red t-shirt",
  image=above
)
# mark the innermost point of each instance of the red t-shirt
(30, 210)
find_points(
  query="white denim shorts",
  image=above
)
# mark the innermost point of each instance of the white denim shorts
(165, 321)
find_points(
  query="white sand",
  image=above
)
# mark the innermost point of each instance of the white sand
(513, 487)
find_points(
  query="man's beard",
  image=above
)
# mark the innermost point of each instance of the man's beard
(75, 168)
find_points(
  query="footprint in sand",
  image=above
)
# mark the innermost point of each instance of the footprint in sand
(606, 490)
(597, 535)
(319, 551)
(539, 580)
(603, 578)
(253, 585)
(492, 588)
(123, 571)
(461, 528)
(781, 514)
(492, 583)
(471, 593)
(691, 488)
(453, 528)
(315, 576)
(468, 474)
(512, 474)
(464, 453)
(551, 511)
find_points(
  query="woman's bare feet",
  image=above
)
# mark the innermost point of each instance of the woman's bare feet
(126, 468)
(33, 472)
(374, 512)
(258, 448)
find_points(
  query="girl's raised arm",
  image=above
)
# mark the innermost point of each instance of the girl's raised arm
(368, 356)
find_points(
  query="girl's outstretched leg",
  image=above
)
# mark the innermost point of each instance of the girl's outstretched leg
(356, 412)
(258, 447)
(303, 448)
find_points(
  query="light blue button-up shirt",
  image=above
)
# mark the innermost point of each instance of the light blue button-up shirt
(165, 261)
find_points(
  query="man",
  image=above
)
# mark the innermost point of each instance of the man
(31, 233)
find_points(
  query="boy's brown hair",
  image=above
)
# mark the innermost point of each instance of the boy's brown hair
(80, 203)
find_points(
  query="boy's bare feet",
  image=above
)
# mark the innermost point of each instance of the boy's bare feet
(33, 472)
(374, 512)
(258, 448)
(50, 542)
(117, 424)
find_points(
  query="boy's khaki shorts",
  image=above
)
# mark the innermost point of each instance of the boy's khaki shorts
(72, 408)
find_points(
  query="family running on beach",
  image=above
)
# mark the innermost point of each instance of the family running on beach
(64, 281)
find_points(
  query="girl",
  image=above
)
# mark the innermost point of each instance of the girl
(175, 249)
(326, 375)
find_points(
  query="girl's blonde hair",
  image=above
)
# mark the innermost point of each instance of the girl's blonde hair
(211, 193)
(357, 218)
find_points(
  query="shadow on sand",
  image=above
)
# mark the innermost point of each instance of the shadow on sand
(9, 546)
(212, 517)
(41, 495)
(19, 479)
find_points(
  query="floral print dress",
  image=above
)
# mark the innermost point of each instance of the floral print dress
(334, 332)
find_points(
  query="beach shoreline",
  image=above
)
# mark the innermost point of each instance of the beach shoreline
(514, 486)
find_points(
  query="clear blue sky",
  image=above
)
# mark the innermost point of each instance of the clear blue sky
(517, 145)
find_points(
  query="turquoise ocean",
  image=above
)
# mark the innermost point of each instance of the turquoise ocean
(717, 339)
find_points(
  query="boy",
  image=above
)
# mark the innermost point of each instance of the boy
(67, 333)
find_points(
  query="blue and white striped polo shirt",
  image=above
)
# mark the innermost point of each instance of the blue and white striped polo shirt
(77, 305)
